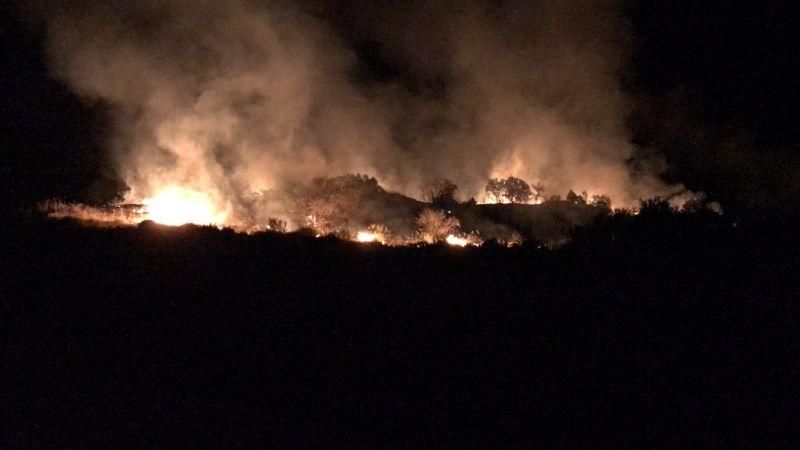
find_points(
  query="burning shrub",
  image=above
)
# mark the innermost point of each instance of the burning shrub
(381, 232)
(514, 239)
(374, 233)
(434, 226)
(327, 215)
(329, 203)
(474, 238)
(276, 225)
(110, 215)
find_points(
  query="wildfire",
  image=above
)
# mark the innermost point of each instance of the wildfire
(374, 233)
(455, 240)
(177, 206)
(366, 236)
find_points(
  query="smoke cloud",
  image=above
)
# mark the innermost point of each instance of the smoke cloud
(236, 97)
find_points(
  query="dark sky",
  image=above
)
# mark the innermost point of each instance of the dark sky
(715, 87)
(718, 92)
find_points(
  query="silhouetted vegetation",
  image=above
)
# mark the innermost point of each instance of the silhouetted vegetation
(538, 192)
(276, 225)
(440, 192)
(601, 201)
(572, 197)
(510, 190)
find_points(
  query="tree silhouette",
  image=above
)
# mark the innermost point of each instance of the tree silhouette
(276, 225)
(554, 198)
(656, 207)
(329, 203)
(517, 190)
(538, 191)
(601, 201)
(572, 197)
(509, 190)
(441, 192)
(495, 189)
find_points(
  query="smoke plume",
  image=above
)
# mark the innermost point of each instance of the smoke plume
(233, 98)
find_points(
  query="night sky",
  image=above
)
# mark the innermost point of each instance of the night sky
(714, 86)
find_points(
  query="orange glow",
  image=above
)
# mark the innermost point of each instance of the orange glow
(177, 206)
(454, 240)
(366, 236)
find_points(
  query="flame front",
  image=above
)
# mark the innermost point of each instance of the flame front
(455, 240)
(366, 236)
(177, 206)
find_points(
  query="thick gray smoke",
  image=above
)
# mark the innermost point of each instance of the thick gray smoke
(234, 97)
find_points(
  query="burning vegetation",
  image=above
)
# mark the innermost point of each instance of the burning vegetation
(357, 208)
(177, 206)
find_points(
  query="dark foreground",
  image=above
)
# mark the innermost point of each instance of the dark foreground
(645, 332)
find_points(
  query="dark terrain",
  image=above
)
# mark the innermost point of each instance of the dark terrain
(658, 330)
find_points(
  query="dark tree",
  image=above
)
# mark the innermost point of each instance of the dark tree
(694, 206)
(511, 190)
(601, 201)
(276, 225)
(441, 192)
(572, 197)
(517, 190)
(495, 189)
(655, 207)
(328, 204)
(538, 191)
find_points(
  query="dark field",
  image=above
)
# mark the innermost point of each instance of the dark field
(649, 331)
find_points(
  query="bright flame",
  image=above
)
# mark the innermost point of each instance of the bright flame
(366, 236)
(454, 240)
(177, 206)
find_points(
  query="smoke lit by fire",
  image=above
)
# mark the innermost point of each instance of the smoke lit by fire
(338, 206)
(247, 114)
(213, 104)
